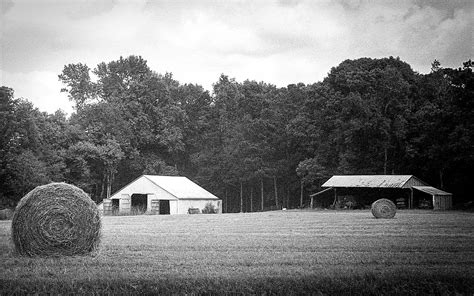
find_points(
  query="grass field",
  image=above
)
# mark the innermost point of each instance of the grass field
(282, 252)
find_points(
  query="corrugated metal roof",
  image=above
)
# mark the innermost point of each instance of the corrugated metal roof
(371, 181)
(181, 187)
(432, 190)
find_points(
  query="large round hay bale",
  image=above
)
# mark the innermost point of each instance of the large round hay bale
(384, 208)
(56, 219)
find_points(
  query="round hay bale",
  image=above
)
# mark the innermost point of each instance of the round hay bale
(56, 219)
(384, 208)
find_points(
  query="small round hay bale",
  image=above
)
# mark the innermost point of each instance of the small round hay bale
(384, 208)
(56, 219)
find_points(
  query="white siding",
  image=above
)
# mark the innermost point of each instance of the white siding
(174, 207)
(125, 203)
(143, 186)
(149, 198)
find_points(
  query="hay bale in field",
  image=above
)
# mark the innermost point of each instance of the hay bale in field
(384, 208)
(56, 219)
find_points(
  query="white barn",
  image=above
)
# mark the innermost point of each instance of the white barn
(161, 195)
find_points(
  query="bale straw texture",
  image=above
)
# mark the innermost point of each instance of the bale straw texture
(56, 219)
(384, 208)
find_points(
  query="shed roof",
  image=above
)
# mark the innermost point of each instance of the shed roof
(432, 190)
(373, 181)
(180, 187)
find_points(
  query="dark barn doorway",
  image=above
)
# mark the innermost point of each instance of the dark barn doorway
(139, 203)
(115, 206)
(360, 198)
(164, 207)
(422, 200)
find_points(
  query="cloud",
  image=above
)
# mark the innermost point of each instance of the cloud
(5, 6)
(80, 9)
(42, 90)
(280, 42)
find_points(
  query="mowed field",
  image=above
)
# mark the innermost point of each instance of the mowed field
(281, 252)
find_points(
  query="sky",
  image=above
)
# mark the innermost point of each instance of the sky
(278, 42)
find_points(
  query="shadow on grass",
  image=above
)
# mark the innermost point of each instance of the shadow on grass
(363, 285)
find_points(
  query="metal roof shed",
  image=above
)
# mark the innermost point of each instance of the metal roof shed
(441, 200)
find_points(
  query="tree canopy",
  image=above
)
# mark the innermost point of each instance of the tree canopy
(251, 143)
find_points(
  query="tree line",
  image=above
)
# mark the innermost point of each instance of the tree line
(253, 144)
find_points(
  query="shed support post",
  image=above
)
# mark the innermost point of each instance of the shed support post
(335, 197)
(410, 202)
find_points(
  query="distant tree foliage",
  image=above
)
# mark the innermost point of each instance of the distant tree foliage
(254, 145)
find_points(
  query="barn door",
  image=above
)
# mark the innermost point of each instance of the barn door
(139, 203)
(164, 207)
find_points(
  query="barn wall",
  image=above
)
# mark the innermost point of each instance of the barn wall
(185, 204)
(442, 202)
(414, 181)
(174, 207)
(106, 206)
(150, 197)
(125, 204)
(143, 186)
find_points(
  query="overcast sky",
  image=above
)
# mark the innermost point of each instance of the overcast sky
(279, 42)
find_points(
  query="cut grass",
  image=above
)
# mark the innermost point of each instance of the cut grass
(285, 252)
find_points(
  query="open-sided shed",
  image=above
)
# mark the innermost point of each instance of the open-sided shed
(402, 185)
(161, 195)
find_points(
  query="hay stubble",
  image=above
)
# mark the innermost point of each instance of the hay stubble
(285, 252)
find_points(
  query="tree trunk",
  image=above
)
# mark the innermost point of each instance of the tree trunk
(301, 196)
(385, 161)
(287, 196)
(109, 185)
(275, 188)
(261, 190)
(102, 191)
(441, 183)
(251, 199)
(241, 197)
(225, 198)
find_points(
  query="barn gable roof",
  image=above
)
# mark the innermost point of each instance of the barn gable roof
(180, 187)
(175, 187)
(373, 181)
